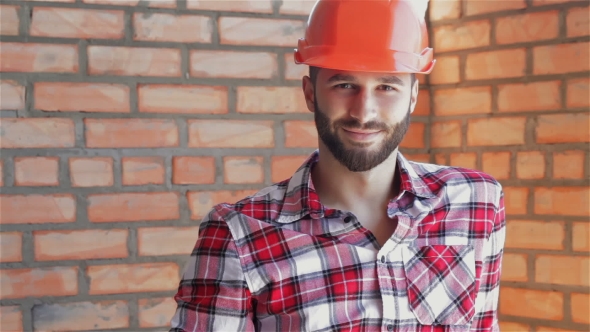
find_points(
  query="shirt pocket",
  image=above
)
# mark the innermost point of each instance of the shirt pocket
(441, 283)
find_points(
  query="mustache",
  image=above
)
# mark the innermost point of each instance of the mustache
(355, 124)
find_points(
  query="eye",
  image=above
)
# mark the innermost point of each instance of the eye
(388, 88)
(344, 86)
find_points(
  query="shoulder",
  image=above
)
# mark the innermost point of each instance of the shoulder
(262, 204)
(442, 177)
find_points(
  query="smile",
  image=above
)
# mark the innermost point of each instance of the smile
(361, 135)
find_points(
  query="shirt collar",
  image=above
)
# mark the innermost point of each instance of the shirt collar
(301, 199)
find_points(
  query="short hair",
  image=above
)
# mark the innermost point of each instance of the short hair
(313, 74)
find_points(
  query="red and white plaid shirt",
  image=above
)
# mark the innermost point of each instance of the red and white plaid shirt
(280, 261)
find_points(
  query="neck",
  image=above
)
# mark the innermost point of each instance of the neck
(342, 189)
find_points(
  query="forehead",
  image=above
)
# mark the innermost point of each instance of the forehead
(333, 75)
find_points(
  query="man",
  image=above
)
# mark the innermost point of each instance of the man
(359, 238)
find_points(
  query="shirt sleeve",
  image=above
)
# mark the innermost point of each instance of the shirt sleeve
(486, 318)
(213, 294)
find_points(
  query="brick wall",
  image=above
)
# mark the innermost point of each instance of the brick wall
(510, 96)
(124, 121)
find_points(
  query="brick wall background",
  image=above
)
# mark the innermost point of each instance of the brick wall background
(124, 121)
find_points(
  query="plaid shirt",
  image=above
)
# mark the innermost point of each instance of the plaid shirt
(280, 261)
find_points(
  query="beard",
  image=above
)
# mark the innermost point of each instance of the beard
(359, 158)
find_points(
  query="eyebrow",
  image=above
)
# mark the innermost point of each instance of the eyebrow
(350, 78)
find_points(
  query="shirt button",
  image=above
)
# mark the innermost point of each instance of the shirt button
(348, 219)
(382, 259)
(390, 327)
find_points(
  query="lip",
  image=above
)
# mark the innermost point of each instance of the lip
(360, 135)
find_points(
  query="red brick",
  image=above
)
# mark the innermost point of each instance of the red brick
(11, 318)
(496, 164)
(578, 92)
(77, 23)
(541, 235)
(9, 21)
(156, 312)
(423, 103)
(232, 64)
(138, 133)
(444, 9)
(11, 246)
(581, 236)
(540, 96)
(418, 157)
(527, 27)
(580, 304)
(193, 170)
(446, 70)
(464, 159)
(565, 201)
(259, 31)
(172, 28)
(514, 267)
(495, 64)
(38, 58)
(12, 95)
(516, 199)
(550, 2)
(562, 270)
(80, 316)
(132, 278)
(91, 172)
(133, 61)
(89, 244)
(476, 7)
(38, 282)
(139, 171)
(462, 36)
(578, 22)
(446, 134)
(134, 3)
(563, 128)
(441, 159)
(37, 133)
(201, 202)
(482, 132)
(186, 99)
(551, 329)
(568, 164)
(37, 209)
(292, 70)
(253, 6)
(36, 171)
(530, 165)
(124, 207)
(243, 170)
(300, 134)
(547, 305)
(415, 138)
(271, 100)
(296, 7)
(230, 134)
(561, 58)
(283, 167)
(82, 97)
(460, 101)
(512, 326)
(162, 241)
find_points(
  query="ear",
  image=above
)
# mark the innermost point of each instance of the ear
(308, 93)
(414, 96)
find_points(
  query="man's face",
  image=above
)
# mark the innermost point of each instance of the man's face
(361, 118)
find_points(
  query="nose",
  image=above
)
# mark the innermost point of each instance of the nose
(364, 107)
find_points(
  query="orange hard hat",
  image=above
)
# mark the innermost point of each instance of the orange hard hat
(366, 35)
